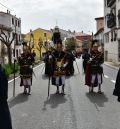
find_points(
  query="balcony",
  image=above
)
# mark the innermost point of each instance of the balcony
(111, 21)
(110, 2)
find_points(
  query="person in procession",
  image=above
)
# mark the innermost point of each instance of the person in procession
(47, 61)
(26, 70)
(71, 59)
(86, 58)
(5, 117)
(94, 70)
(59, 64)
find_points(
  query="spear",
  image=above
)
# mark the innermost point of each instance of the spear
(49, 86)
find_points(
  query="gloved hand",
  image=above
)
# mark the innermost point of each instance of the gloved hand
(30, 66)
(64, 65)
(50, 57)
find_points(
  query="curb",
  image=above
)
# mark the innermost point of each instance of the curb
(111, 66)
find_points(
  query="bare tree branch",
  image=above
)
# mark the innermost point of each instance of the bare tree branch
(3, 40)
(12, 39)
(2, 33)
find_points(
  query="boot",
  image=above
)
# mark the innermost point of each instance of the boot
(29, 90)
(63, 91)
(57, 91)
(99, 89)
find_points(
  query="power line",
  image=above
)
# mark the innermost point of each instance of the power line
(5, 6)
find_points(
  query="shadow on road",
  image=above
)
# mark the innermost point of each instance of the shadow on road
(54, 101)
(98, 99)
(20, 98)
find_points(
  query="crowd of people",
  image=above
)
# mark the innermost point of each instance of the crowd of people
(59, 63)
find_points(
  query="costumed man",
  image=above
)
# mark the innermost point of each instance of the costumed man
(86, 58)
(47, 63)
(94, 70)
(5, 117)
(26, 70)
(116, 91)
(70, 66)
(59, 64)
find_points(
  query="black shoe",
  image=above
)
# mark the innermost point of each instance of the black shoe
(62, 93)
(57, 92)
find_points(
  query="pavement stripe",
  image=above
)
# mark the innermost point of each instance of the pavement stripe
(113, 81)
(106, 76)
(19, 76)
(13, 79)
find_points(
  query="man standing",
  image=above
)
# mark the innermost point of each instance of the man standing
(5, 118)
(96, 69)
(26, 70)
(59, 63)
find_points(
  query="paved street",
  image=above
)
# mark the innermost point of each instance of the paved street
(76, 110)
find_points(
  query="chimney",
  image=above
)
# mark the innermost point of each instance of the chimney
(8, 12)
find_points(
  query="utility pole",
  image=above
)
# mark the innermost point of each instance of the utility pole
(14, 60)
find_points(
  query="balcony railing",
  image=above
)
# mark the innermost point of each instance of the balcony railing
(111, 21)
(110, 2)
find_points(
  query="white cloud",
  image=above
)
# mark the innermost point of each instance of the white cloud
(71, 14)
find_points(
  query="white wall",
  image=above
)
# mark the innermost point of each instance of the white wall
(6, 20)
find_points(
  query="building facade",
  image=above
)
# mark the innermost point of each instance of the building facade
(83, 40)
(10, 25)
(99, 35)
(40, 41)
(112, 31)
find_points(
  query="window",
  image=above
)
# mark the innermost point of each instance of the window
(107, 38)
(119, 18)
(115, 35)
(18, 23)
(13, 21)
(112, 35)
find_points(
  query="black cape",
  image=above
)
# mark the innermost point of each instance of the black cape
(5, 118)
(116, 91)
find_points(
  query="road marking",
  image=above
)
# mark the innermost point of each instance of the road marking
(113, 81)
(106, 76)
(19, 76)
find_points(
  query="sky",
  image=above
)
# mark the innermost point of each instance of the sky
(78, 15)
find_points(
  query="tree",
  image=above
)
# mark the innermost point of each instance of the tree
(5, 39)
(39, 46)
(71, 44)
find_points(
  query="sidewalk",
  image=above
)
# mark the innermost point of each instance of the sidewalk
(112, 65)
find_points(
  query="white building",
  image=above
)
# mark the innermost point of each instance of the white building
(10, 25)
(112, 30)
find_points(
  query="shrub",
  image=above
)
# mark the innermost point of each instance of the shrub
(10, 69)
